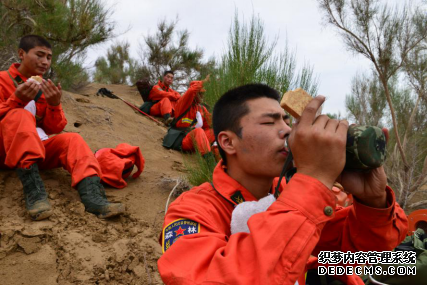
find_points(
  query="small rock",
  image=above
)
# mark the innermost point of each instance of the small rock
(148, 232)
(82, 100)
(29, 245)
(134, 264)
(53, 195)
(87, 258)
(139, 270)
(99, 238)
(78, 209)
(133, 232)
(31, 232)
(107, 276)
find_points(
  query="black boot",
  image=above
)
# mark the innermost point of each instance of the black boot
(36, 202)
(93, 196)
(168, 119)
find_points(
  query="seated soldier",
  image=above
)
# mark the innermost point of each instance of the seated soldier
(165, 98)
(249, 127)
(29, 112)
(192, 115)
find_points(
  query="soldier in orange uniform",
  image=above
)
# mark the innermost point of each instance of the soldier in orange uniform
(31, 111)
(165, 98)
(202, 134)
(282, 242)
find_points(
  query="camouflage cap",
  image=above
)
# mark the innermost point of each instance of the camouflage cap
(365, 148)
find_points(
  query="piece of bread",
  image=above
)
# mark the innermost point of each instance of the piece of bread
(37, 79)
(294, 102)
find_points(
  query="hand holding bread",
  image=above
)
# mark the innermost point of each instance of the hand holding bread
(317, 142)
(51, 92)
(27, 91)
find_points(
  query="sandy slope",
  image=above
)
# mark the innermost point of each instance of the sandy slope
(75, 247)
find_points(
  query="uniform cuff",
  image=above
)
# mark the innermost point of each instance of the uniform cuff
(55, 108)
(309, 196)
(15, 102)
(376, 216)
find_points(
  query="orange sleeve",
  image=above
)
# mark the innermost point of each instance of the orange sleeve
(187, 99)
(363, 228)
(158, 93)
(9, 104)
(54, 120)
(281, 239)
(275, 251)
(8, 100)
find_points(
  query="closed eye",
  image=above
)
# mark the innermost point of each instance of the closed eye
(267, 123)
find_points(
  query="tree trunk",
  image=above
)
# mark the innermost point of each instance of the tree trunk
(396, 131)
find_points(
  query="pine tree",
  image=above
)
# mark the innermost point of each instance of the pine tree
(116, 67)
(71, 26)
(168, 49)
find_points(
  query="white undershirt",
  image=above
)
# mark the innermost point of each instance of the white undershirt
(31, 107)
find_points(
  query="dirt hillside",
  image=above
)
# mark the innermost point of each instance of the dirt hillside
(75, 247)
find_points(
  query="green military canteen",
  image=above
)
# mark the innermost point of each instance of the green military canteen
(365, 148)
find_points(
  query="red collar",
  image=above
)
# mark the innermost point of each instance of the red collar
(164, 87)
(230, 189)
(13, 70)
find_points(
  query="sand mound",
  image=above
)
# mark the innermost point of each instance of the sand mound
(75, 247)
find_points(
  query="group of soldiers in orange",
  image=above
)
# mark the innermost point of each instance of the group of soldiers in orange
(184, 112)
(250, 133)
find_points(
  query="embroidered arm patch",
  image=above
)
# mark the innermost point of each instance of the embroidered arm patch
(177, 229)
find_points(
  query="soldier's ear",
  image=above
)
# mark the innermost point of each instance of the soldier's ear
(226, 139)
(21, 54)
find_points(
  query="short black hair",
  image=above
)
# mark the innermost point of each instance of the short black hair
(168, 71)
(231, 107)
(29, 42)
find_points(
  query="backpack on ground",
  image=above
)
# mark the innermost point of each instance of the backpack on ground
(417, 243)
(144, 87)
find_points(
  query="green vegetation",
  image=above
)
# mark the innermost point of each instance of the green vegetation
(117, 68)
(70, 25)
(394, 40)
(199, 168)
(250, 58)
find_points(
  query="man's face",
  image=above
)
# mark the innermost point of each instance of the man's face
(168, 79)
(36, 61)
(199, 97)
(261, 150)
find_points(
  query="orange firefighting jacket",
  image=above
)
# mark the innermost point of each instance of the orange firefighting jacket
(117, 164)
(160, 91)
(50, 118)
(198, 247)
(186, 101)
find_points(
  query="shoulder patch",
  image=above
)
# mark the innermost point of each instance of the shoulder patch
(177, 229)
